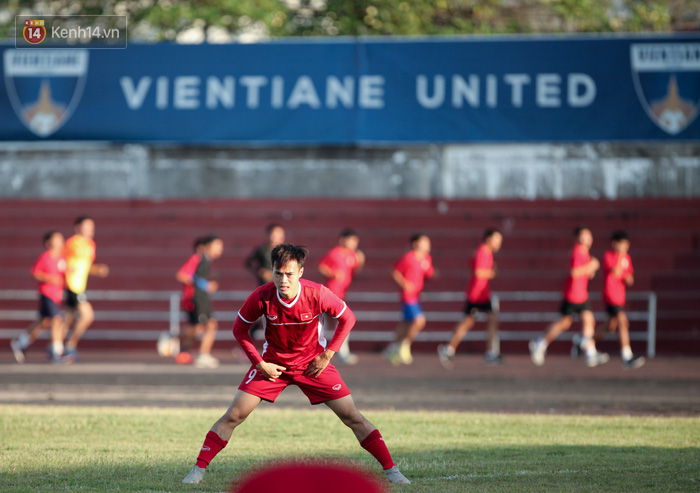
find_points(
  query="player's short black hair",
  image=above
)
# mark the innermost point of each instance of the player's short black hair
(286, 252)
(619, 235)
(81, 219)
(198, 242)
(489, 232)
(47, 236)
(272, 226)
(204, 240)
(417, 236)
(347, 232)
(578, 229)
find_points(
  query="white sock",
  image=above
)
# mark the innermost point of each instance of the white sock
(585, 341)
(449, 350)
(541, 343)
(23, 340)
(57, 348)
(626, 353)
(590, 351)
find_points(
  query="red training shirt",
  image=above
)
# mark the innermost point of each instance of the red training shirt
(478, 290)
(47, 264)
(576, 289)
(188, 269)
(342, 262)
(414, 271)
(614, 287)
(293, 328)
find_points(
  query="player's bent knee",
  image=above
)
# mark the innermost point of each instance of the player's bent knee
(234, 417)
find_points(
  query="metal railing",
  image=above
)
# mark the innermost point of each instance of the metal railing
(172, 316)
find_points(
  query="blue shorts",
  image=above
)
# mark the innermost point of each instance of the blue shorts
(48, 307)
(411, 311)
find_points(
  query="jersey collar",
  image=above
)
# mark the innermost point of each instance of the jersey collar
(289, 305)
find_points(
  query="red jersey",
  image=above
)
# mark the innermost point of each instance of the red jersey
(576, 288)
(416, 272)
(614, 287)
(342, 262)
(293, 328)
(188, 269)
(478, 290)
(47, 264)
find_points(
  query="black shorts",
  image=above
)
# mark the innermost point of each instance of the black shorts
(72, 299)
(568, 309)
(199, 314)
(473, 308)
(614, 310)
(48, 307)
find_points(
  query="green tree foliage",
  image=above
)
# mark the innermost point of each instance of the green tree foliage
(249, 20)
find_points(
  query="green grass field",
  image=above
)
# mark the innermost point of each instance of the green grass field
(150, 449)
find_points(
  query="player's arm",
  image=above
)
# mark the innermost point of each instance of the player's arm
(336, 308)
(593, 266)
(326, 271)
(403, 283)
(186, 276)
(248, 314)
(45, 277)
(629, 278)
(484, 273)
(99, 270)
(255, 263)
(484, 268)
(586, 270)
(360, 256)
(241, 328)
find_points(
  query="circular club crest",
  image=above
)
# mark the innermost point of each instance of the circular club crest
(34, 32)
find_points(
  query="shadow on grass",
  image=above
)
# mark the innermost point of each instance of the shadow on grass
(488, 468)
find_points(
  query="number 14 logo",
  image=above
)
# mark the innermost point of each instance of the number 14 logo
(34, 31)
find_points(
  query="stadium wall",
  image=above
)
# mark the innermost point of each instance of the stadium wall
(62, 170)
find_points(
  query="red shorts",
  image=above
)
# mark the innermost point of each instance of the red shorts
(326, 387)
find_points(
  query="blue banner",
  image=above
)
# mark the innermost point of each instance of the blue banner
(501, 89)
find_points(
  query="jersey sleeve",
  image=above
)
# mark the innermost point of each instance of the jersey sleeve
(483, 260)
(400, 265)
(247, 315)
(190, 267)
(431, 270)
(609, 261)
(327, 261)
(39, 265)
(578, 258)
(336, 308)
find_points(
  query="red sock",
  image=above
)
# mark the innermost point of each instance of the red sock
(374, 444)
(212, 446)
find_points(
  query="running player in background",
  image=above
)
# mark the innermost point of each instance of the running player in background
(258, 262)
(80, 255)
(197, 287)
(478, 300)
(295, 353)
(169, 343)
(410, 273)
(619, 273)
(49, 271)
(582, 267)
(339, 266)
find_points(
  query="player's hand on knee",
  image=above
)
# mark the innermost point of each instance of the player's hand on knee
(271, 371)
